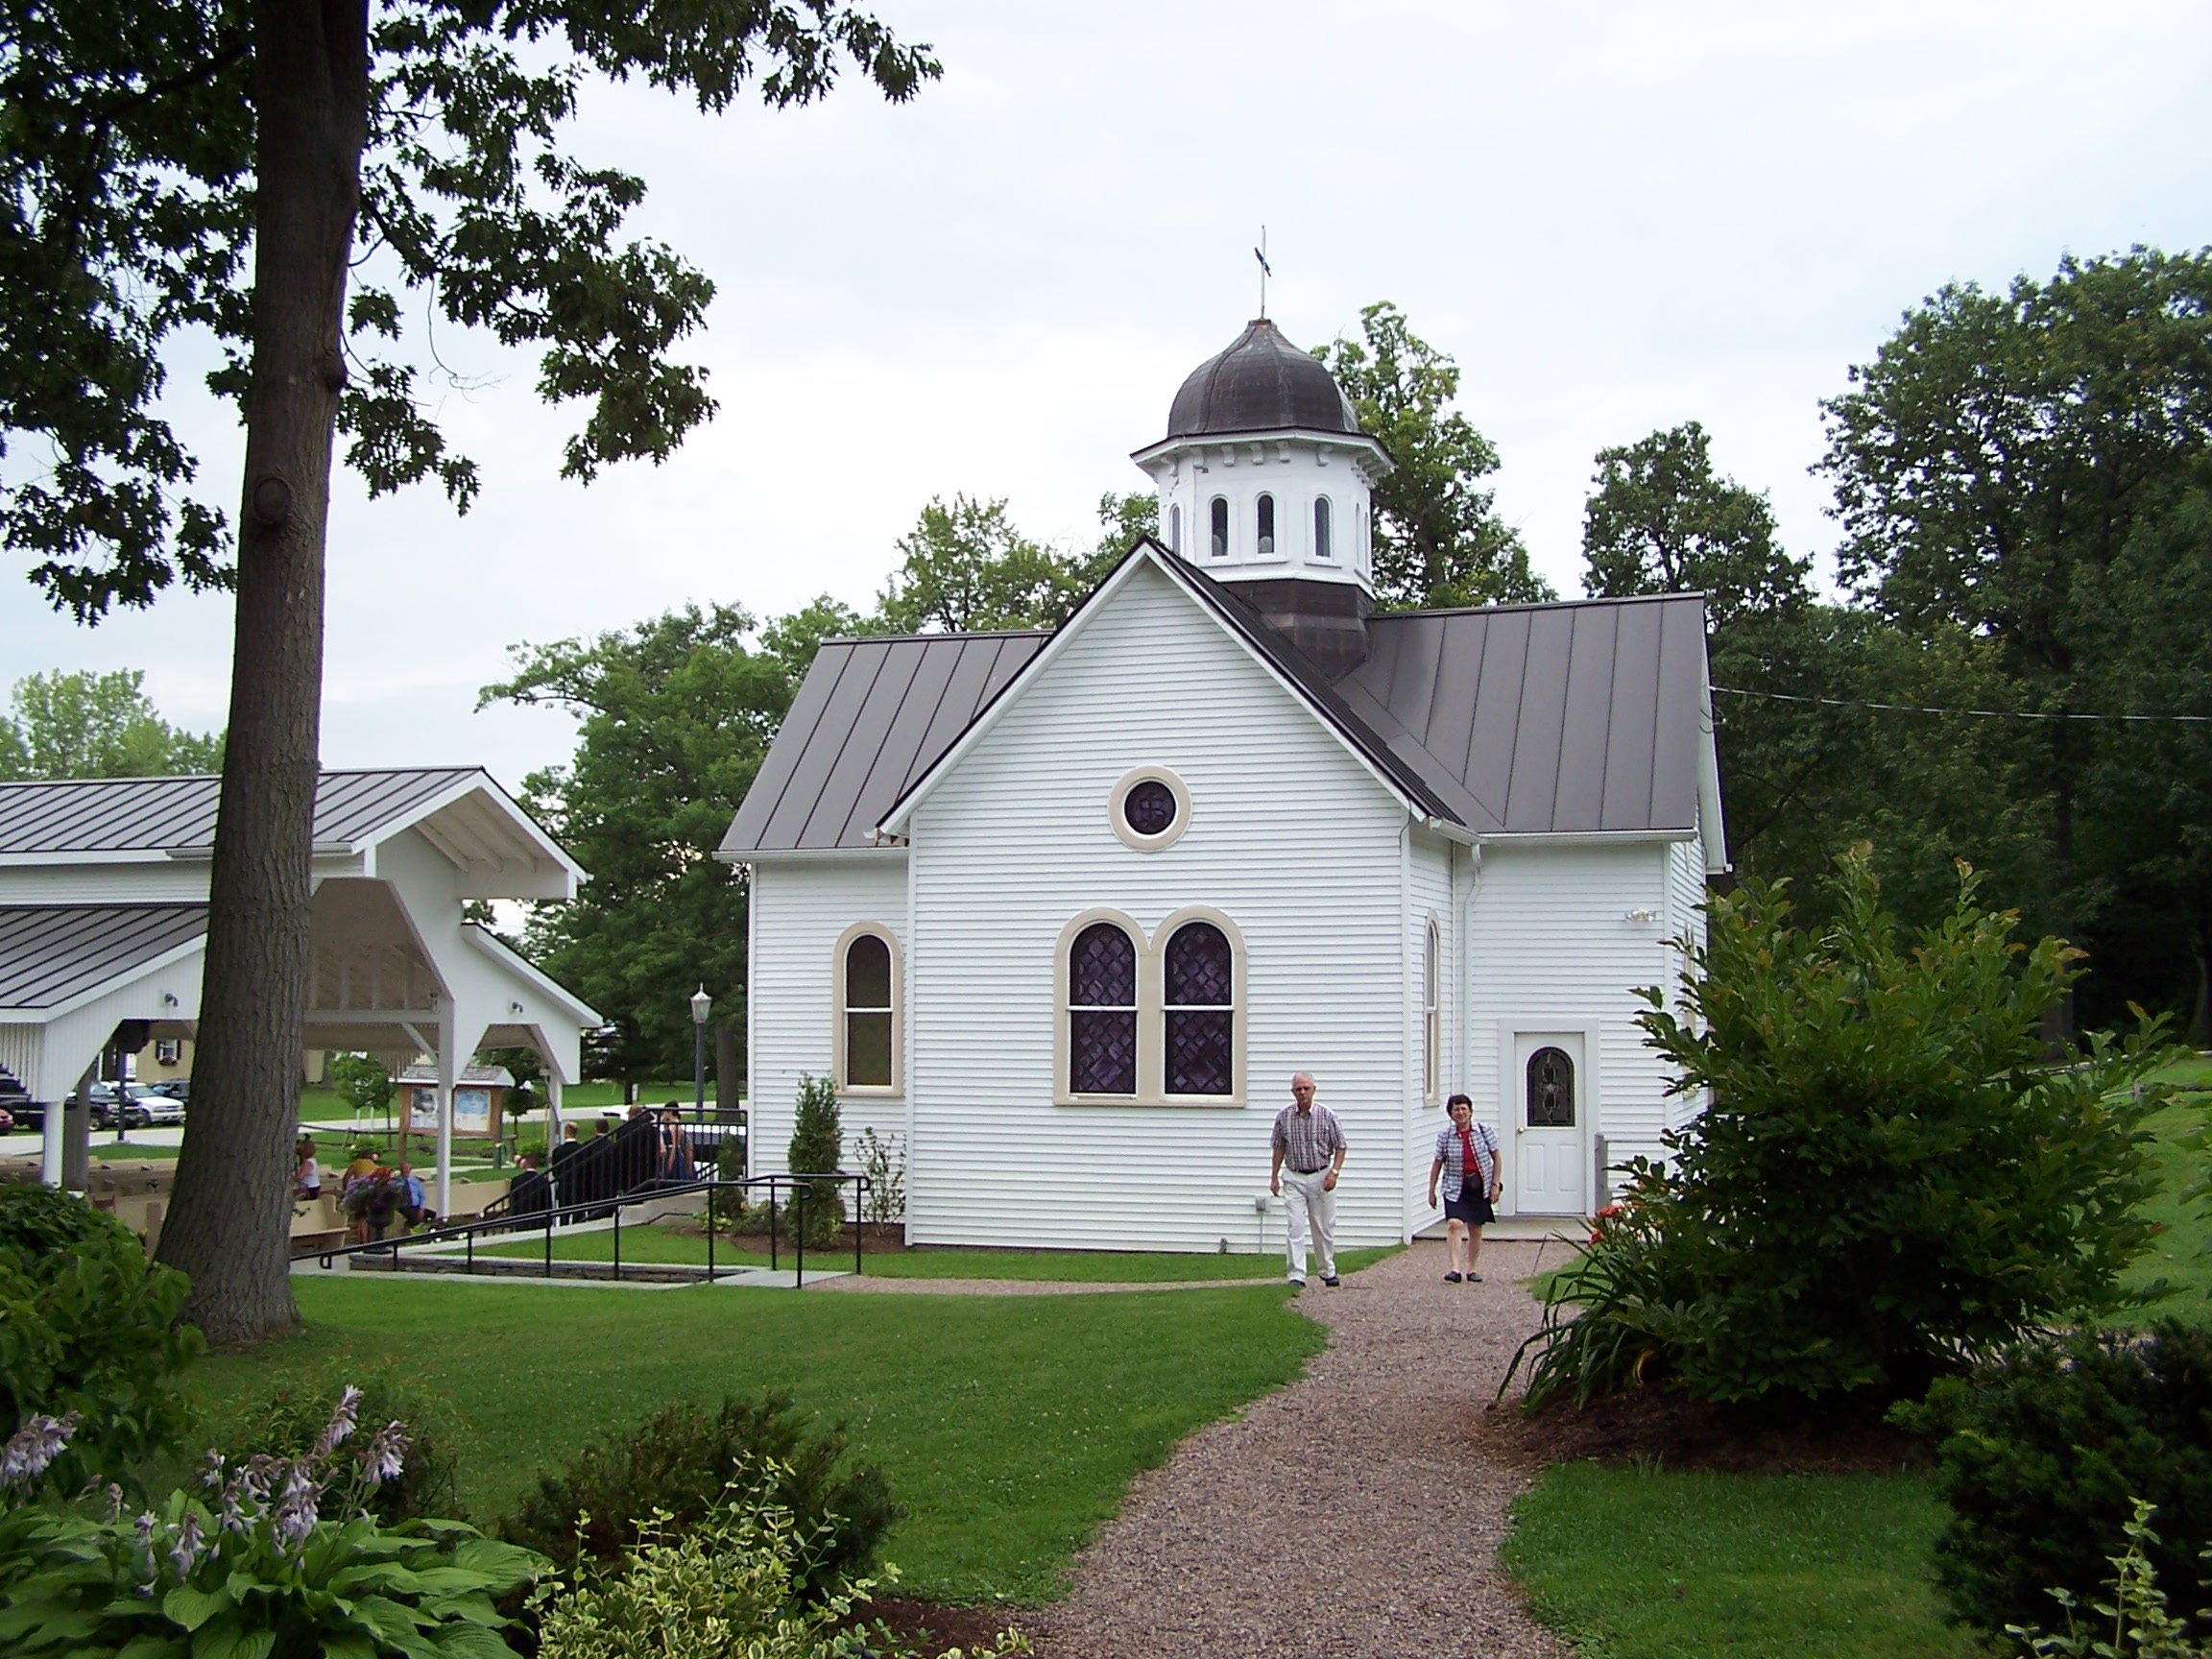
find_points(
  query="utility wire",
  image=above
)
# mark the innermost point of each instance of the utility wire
(1976, 713)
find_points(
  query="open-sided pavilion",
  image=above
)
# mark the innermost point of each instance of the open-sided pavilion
(104, 921)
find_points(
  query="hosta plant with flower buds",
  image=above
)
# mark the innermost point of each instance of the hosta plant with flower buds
(274, 1558)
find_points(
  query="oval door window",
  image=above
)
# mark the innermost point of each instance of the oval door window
(1550, 1090)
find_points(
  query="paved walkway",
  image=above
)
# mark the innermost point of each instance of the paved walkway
(1351, 1516)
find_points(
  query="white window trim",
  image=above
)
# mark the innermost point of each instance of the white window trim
(1166, 837)
(1147, 994)
(1238, 1055)
(837, 1011)
(1432, 1013)
(1151, 1011)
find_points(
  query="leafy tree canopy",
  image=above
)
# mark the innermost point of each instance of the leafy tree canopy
(85, 725)
(966, 567)
(131, 177)
(1662, 522)
(675, 716)
(1438, 540)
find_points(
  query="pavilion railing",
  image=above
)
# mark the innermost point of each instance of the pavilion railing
(788, 1195)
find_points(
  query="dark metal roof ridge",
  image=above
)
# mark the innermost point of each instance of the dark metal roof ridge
(1542, 605)
(925, 639)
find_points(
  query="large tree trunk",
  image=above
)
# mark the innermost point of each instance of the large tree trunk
(228, 1224)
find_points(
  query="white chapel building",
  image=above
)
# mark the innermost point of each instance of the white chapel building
(1062, 912)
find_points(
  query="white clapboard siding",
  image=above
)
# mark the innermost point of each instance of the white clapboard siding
(1288, 835)
(1429, 894)
(801, 907)
(167, 881)
(1686, 878)
(1551, 940)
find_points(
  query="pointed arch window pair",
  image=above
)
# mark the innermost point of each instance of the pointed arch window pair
(1150, 1022)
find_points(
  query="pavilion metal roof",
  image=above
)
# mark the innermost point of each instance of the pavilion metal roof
(1579, 717)
(178, 814)
(51, 953)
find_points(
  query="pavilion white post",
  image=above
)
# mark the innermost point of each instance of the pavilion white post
(50, 1135)
(447, 1071)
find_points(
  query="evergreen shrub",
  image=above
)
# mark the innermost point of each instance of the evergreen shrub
(817, 1148)
(88, 1326)
(1890, 1176)
(2045, 1451)
(678, 1464)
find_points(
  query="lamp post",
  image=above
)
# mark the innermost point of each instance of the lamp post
(701, 1005)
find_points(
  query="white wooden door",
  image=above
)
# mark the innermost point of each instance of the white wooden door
(1550, 1161)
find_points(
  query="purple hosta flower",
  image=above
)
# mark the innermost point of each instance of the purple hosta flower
(211, 1474)
(341, 1421)
(190, 1544)
(35, 1446)
(114, 1512)
(295, 1517)
(144, 1526)
(385, 1454)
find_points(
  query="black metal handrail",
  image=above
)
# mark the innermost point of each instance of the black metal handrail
(465, 1233)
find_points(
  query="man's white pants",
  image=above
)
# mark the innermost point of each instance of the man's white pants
(1308, 1204)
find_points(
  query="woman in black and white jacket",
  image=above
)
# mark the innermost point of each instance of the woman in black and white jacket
(1467, 1162)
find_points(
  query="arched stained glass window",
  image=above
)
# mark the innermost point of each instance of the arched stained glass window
(867, 1013)
(1550, 1090)
(1220, 516)
(1175, 528)
(1265, 522)
(1201, 1012)
(1102, 1011)
(1321, 527)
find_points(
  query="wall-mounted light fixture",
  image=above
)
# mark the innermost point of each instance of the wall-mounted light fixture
(1641, 914)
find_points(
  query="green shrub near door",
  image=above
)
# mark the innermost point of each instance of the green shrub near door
(817, 1145)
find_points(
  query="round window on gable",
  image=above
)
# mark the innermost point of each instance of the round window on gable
(1149, 808)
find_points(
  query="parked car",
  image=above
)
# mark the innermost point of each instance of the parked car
(7, 1121)
(151, 1106)
(176, 1088)
(141, 1107)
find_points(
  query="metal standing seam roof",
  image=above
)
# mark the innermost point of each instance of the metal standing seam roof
(1579, 717)
(871, 718)
(1575, 718)
(50, 953)
(178, 814)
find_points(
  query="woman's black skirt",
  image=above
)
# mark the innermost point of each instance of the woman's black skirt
(1470, 1207)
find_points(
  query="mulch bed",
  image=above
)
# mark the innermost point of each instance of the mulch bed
(1653, 1426)
(967, 1628)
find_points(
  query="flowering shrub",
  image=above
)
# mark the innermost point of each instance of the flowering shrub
(90, 1332)
(275, 1559)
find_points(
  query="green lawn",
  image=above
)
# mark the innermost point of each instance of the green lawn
(650, 1244)
(1636, 1564)
(2179, 1254)
(1010, 1426)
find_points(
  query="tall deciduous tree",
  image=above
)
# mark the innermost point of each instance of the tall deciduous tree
(86, 725)
(675, 717)
(1661, 521)
(226, 166)
(1438, 540)
(965, 567)
(1996, 457)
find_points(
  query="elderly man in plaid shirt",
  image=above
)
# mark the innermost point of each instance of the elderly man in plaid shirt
(1310, 1140)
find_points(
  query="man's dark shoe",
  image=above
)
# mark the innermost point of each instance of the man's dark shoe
(1473, 1278)
(1297, 1284)
(1451, 1278)
(1332, 1281)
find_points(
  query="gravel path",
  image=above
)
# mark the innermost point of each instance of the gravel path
(1352, 1515)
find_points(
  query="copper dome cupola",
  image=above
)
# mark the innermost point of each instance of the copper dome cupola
(1260, 382)
(1266, 485)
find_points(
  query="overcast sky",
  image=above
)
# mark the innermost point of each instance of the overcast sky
(1615, 217)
